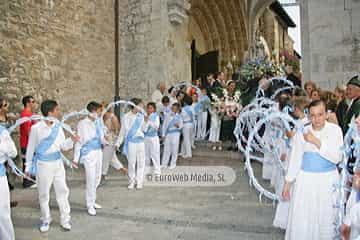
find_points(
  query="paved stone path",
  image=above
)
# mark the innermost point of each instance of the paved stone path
(232, 212)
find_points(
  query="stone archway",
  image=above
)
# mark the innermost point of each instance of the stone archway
(219, 25)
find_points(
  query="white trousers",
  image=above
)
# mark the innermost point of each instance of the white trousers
(152, 153)
(193, 132)
(136, 160)
(48, 174)
(171, 149)
(110, 159)
(187, 130)
(93, 167)
(201, 127)
(6, 226)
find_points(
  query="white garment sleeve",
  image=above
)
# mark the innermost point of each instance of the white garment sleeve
(331, 146)
(7, 145)
(165, 125)
(295, 157)
(30, 150)
(78, 145)
(66, 143)
(181, 123)
(122, 133)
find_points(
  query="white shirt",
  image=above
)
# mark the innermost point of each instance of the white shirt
(86, 130)
(156, 97)
(168, 120)
(40, 131)
(154, 124)
(331, 138)
(7, 147)
(126, 125)
(186, 117)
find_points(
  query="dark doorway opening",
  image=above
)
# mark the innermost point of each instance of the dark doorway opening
(201, 65)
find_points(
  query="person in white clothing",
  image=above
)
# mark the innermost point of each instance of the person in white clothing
(203, 114)
(89, 152)
(43, 158)
(111, 132)
(152, 142)
(165, 108)
(132, 134)
(170, 132)
(196, 105)
(215, 127)
(188, 116)
(7, 150)
(312, 171)
(158, 94)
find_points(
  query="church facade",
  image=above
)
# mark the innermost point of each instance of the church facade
(65, 49)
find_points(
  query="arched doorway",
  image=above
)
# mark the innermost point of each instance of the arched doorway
(217, 31)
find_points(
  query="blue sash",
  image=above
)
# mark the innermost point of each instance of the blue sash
(197, 107)
(94, 143)
(188, 111)
(2, 165)
(313, 162)
(358, 196)
(152, 132)
(43, 147)
(171, 128)
(204, 101)
(130, 137)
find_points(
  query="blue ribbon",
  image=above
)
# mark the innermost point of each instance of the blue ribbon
(171, 128)
(152, 132)
(94, 143)
(130, 137)
(314, 162)
(43, 147)
(188, 111)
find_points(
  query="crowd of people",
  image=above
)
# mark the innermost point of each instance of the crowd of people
(307, 209)
(168, 127)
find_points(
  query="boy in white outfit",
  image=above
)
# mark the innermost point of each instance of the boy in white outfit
(205, 104)
(43, 158)
(196, 105)
(171, 133)
(188, 116)
(7, 150)
(152, 143)
(132, 134)
(89, 152)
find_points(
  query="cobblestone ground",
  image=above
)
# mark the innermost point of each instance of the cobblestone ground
(232, 212)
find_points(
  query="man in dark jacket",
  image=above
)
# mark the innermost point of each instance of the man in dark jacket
(353, 93)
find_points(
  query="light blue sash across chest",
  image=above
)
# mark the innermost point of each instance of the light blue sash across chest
(2, 165)
(188, 111)
(315, 163)
(171, 127)
(130, 137)
(94, 143)
(43, 147)
(152, 132)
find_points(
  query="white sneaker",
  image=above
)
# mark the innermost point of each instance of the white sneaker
(91, 211)
(139, 186)
(33, 186)
(131, 186)
(214, 148)
(66, 226)
(44, 227)
(172, 167)
(97, 206)
(164, 167)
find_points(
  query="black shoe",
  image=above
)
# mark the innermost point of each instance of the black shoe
(13, 204)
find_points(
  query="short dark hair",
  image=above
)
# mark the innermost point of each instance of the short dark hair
(135, 101)
(93, 106)
(170, 89)
(317, 103)
(177, 105)
(165, 99)
(151, 104)
(188, 100)
(48, 106)
(26, 100)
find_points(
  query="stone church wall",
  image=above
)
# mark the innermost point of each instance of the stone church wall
(57, 49)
